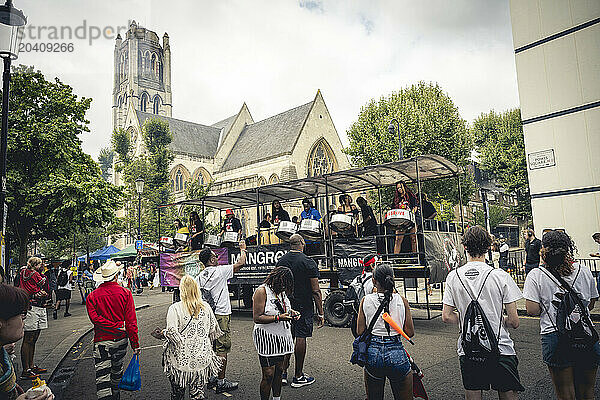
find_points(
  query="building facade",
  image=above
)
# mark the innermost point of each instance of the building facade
(557, 53)
(234, 153)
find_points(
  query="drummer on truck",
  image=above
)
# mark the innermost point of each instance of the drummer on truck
(231, 224)
(309, 211)
(278, 213)
(405, 199)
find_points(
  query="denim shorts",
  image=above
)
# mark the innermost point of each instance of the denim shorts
(558, 355)
(387, 358)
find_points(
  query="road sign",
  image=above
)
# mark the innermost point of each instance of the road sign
(542, 159)
(139, 244)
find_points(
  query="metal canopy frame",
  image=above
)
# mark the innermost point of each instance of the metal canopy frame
(430, 167)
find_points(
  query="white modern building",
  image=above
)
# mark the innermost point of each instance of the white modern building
(557, 52)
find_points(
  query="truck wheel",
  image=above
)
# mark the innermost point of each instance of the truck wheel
(334, 310)
(247, 296)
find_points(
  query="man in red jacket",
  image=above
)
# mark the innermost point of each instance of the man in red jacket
(110, 307)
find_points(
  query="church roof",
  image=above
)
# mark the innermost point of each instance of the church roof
(268, 138)
(188, 137)
(226, 123)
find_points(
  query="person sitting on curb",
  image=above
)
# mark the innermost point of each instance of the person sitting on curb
(110, 307)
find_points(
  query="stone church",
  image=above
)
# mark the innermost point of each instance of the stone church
(234, 153)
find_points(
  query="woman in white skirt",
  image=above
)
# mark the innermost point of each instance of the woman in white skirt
(272, 334)
(188, 358)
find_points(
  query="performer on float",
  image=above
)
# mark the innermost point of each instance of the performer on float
(179, 228)
(278, 213)
(309, 211)
(196, 227)
(405, 199)
(231, 223)
(369, 223)
(346, 207)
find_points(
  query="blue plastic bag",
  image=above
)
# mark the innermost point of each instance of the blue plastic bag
(132, 380)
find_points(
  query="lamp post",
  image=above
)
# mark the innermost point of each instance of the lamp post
(392, 131)
(12, 25)
(139, 188)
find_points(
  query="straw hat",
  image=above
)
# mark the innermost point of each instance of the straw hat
(107, 272)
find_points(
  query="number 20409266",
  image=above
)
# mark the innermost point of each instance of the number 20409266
(46, 47)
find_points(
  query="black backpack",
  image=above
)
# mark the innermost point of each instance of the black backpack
(478, 339)
(63, 278)
(207, 295)
(573, 322)
(356, 290)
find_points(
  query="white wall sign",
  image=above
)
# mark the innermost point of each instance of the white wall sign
(541, 159)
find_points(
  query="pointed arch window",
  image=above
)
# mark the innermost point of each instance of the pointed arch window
(321, 160)
(156, 105)
(154, 65)
(179, 181)
(143, 102)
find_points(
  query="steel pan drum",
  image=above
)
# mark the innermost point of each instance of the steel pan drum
(286, 229)
(167, 242)
(341, 222)
(310, 228)
(213, 241)
(400, 219)
(231, 237)
(181, 238)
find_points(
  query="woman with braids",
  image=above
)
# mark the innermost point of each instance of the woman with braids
(272, 334)
(386, 355)
(406, 199)
(573, 371)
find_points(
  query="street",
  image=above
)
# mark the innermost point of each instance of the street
(327, 360)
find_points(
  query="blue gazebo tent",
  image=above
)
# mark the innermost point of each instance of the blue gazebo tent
(102, 254)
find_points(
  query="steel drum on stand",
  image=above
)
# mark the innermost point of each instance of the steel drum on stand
(286, 229)
(231, 237)
(212, 241)
(342, 222)
(310, 228)
(400, 219)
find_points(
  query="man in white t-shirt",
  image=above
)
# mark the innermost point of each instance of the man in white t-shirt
(214, 279)
(64, 285)
(496, 292)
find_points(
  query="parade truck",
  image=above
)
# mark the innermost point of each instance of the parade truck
(336, 243)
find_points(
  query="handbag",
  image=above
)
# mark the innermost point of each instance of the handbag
(360, 346)
(132, 380)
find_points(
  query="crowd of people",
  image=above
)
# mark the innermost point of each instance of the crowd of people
(479, 298)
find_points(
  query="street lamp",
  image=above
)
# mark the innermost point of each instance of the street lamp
(12, 25)
(392, 131)
(139, 188)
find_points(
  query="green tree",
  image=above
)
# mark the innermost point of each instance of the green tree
(152, 165)
(429, 124)
(499, 139)
(105, 160)
(52, 185)
(497, 216)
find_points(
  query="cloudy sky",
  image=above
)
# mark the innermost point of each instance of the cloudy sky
(275, 54)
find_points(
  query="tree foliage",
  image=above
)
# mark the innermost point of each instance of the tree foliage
(53, 186)
(499, 139)
(152, 165)
(497, 216)
(429, 124)
(105, 160)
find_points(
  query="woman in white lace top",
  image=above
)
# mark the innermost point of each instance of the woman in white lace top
(188, 358)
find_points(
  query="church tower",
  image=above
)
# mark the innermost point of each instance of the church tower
(142, 74)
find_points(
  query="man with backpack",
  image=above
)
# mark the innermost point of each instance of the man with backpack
(360, 286)
(213, 283)
(480, 294)
(64, 285)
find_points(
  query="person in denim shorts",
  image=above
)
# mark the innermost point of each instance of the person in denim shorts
(386, 355)
(573, 371)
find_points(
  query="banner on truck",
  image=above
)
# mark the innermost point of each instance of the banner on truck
(174, 265)
(349, 252)
(443, 252)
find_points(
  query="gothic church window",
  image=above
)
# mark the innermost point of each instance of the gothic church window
(321, 160)
(143, 102)
(156, 105)
(179, 181)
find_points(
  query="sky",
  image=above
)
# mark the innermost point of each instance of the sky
(275, 55)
